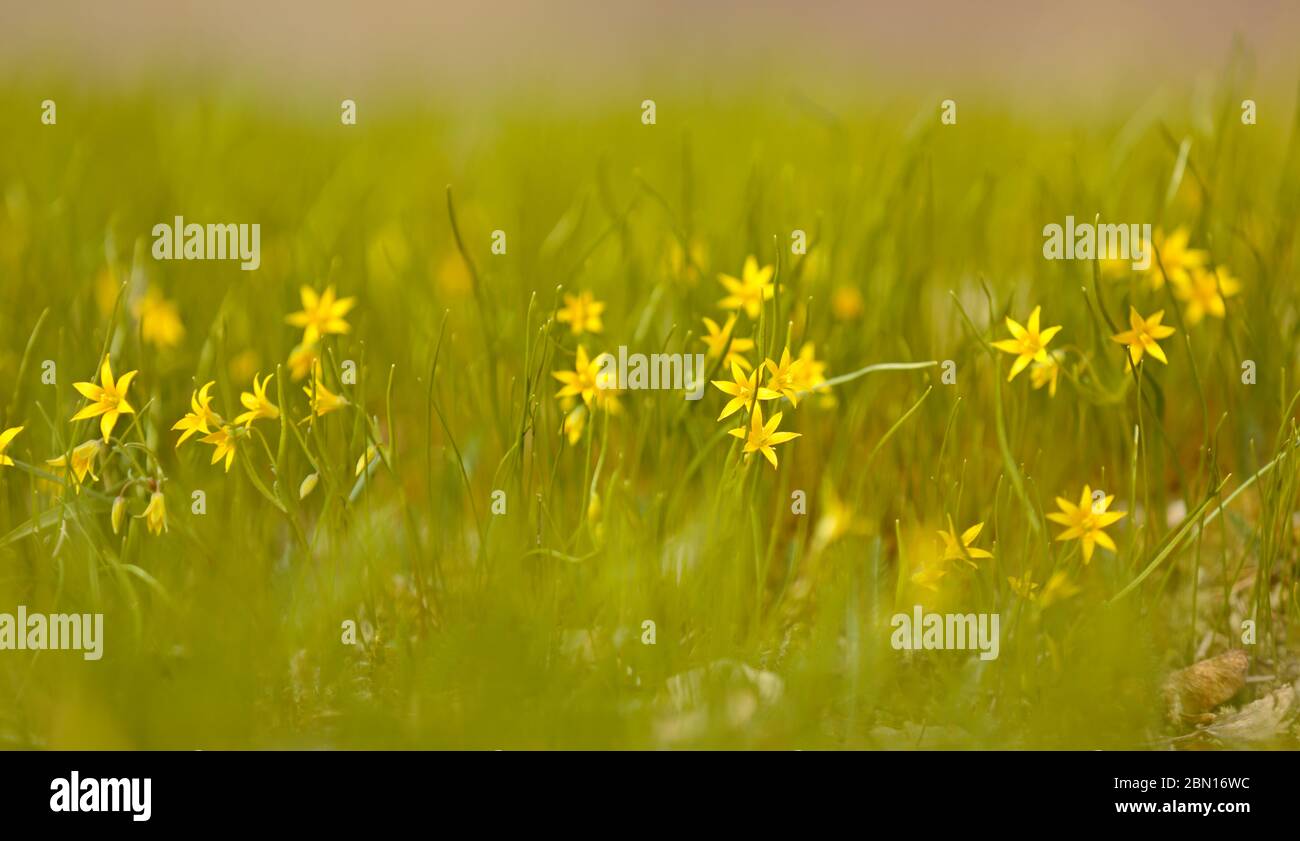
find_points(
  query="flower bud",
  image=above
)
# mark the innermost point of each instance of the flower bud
(155, 514)
(119, 514)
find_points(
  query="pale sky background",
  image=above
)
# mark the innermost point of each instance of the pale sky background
(1036, 48)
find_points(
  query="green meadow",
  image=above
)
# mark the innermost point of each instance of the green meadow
(434, 528)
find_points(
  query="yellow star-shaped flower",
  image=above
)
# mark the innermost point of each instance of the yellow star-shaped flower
(582, 381)
(107, 400)
(1046, 373)
(1205, 293)
(1058, 588)
(200, 417)
(786, 376)
(750, 291)
(1142, 335)
(929, 577)
(160, 321)
(257, 403)
(810, 372)
(742, 390)
(223, 443)
(321, 314)
(302, 359)
(1084, 522)
(762, 437)
(582, 313)
(1027, 343)
(1178, 261)
(720, 342)
(323, 401)
(963, 551)
(155, 513)
(83, 463)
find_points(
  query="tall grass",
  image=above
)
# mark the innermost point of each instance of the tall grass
(525, 629)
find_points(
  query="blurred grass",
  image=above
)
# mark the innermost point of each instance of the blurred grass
(471, 636)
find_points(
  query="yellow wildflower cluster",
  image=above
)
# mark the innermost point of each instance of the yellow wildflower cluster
(582, 313)
(791, 378)
(321, 315)
(108, 398)
(1191, 279)
(1194, 280)
(957, 549)
(584, 389)
(1028, 343)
